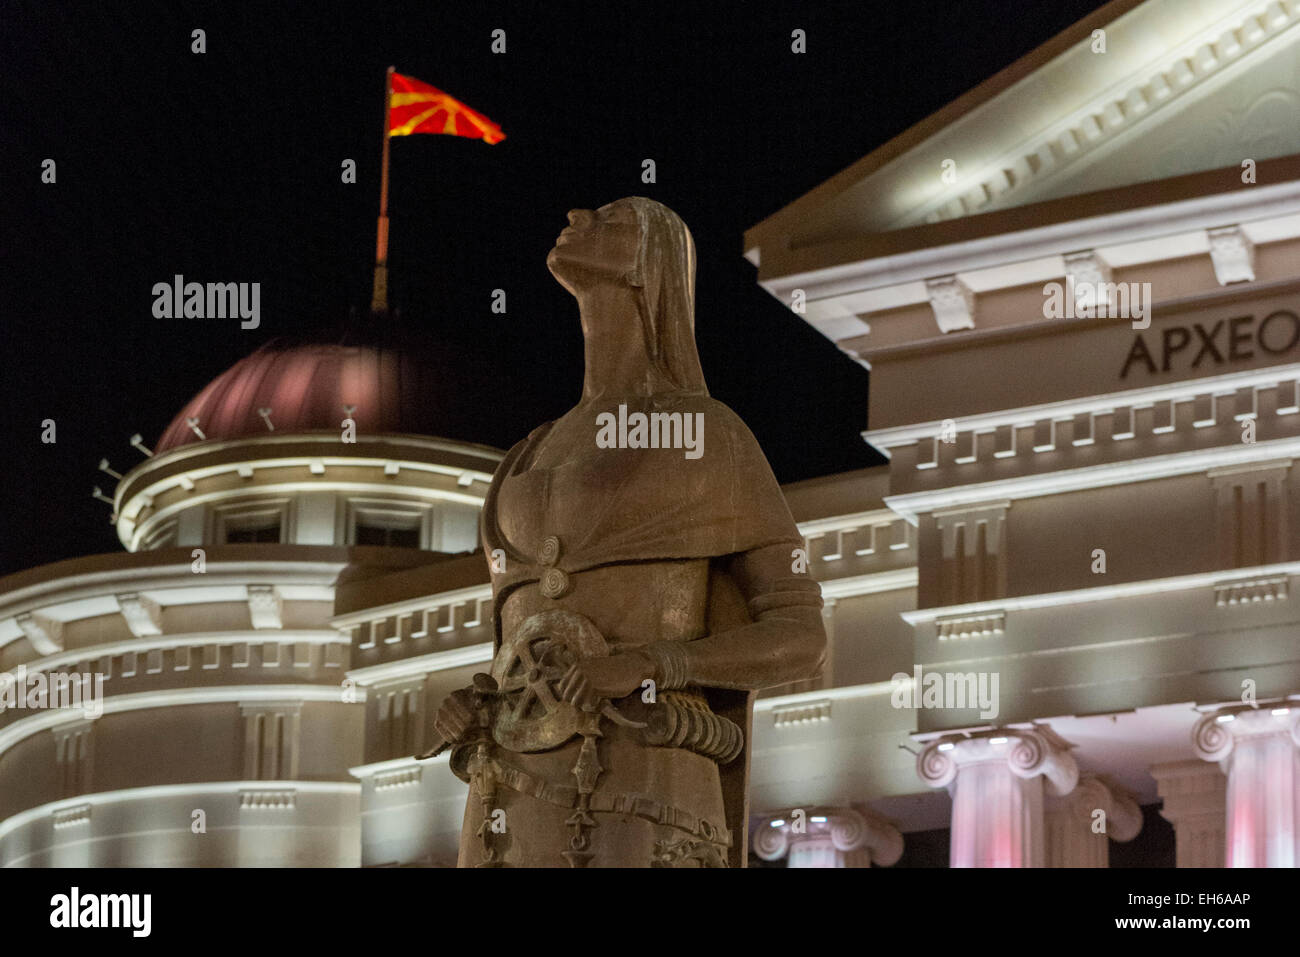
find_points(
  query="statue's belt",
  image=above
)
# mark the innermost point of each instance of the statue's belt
(566, 796)
(527, 713)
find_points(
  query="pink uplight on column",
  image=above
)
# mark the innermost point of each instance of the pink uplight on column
(1257, 750)
(997, 784)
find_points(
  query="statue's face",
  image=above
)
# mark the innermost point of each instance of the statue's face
(596, 246)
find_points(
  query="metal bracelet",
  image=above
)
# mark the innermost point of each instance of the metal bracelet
(670, 662)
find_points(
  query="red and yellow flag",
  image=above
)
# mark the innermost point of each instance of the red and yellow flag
(417, 107)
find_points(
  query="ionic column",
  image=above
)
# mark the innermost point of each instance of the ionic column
(1081, 826)
(1193, 794)
(997, 780)
(1257, 750)
(828, 837)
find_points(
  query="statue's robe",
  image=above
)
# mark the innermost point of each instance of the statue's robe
(619, 507)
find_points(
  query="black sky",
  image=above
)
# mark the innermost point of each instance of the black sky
(225, 166)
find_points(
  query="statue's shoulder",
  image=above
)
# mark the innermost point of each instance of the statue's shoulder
(531, 440)
(536, 435)
(527, 442)
(723, 412)
(726, 426)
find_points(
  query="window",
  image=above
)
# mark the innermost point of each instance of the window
(390, 536)
(253, 533)
(261, 522)
(391, 524)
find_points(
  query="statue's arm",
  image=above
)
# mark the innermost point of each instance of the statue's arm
(786, 640)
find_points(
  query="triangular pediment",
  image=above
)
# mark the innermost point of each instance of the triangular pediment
(1182, 86)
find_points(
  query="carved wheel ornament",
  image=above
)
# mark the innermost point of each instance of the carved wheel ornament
(530, 715)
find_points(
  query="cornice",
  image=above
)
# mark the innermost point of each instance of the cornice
(1071, 105)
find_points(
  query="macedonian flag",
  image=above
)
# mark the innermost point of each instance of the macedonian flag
(417, 107)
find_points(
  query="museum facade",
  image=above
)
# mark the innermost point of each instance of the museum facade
(1077, 291)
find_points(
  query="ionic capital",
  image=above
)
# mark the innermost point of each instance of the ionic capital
(848, 829)
(1217, 733)
(1123, 817)
(1028, 753)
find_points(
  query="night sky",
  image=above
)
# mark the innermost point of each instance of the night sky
(225, 167)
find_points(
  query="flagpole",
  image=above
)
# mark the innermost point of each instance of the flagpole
(379, 301)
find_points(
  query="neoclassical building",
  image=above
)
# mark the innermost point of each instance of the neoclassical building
(1059, 617)
(1077, 289)
(228, 723)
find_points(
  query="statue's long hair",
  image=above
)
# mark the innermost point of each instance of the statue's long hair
(664, 276)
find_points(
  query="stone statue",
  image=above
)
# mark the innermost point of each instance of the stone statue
(647, 579)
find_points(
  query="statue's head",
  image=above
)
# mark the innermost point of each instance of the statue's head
(644, 246)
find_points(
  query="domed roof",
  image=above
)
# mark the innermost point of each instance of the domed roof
(305, 385)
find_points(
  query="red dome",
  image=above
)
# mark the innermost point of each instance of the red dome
(306, 385)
